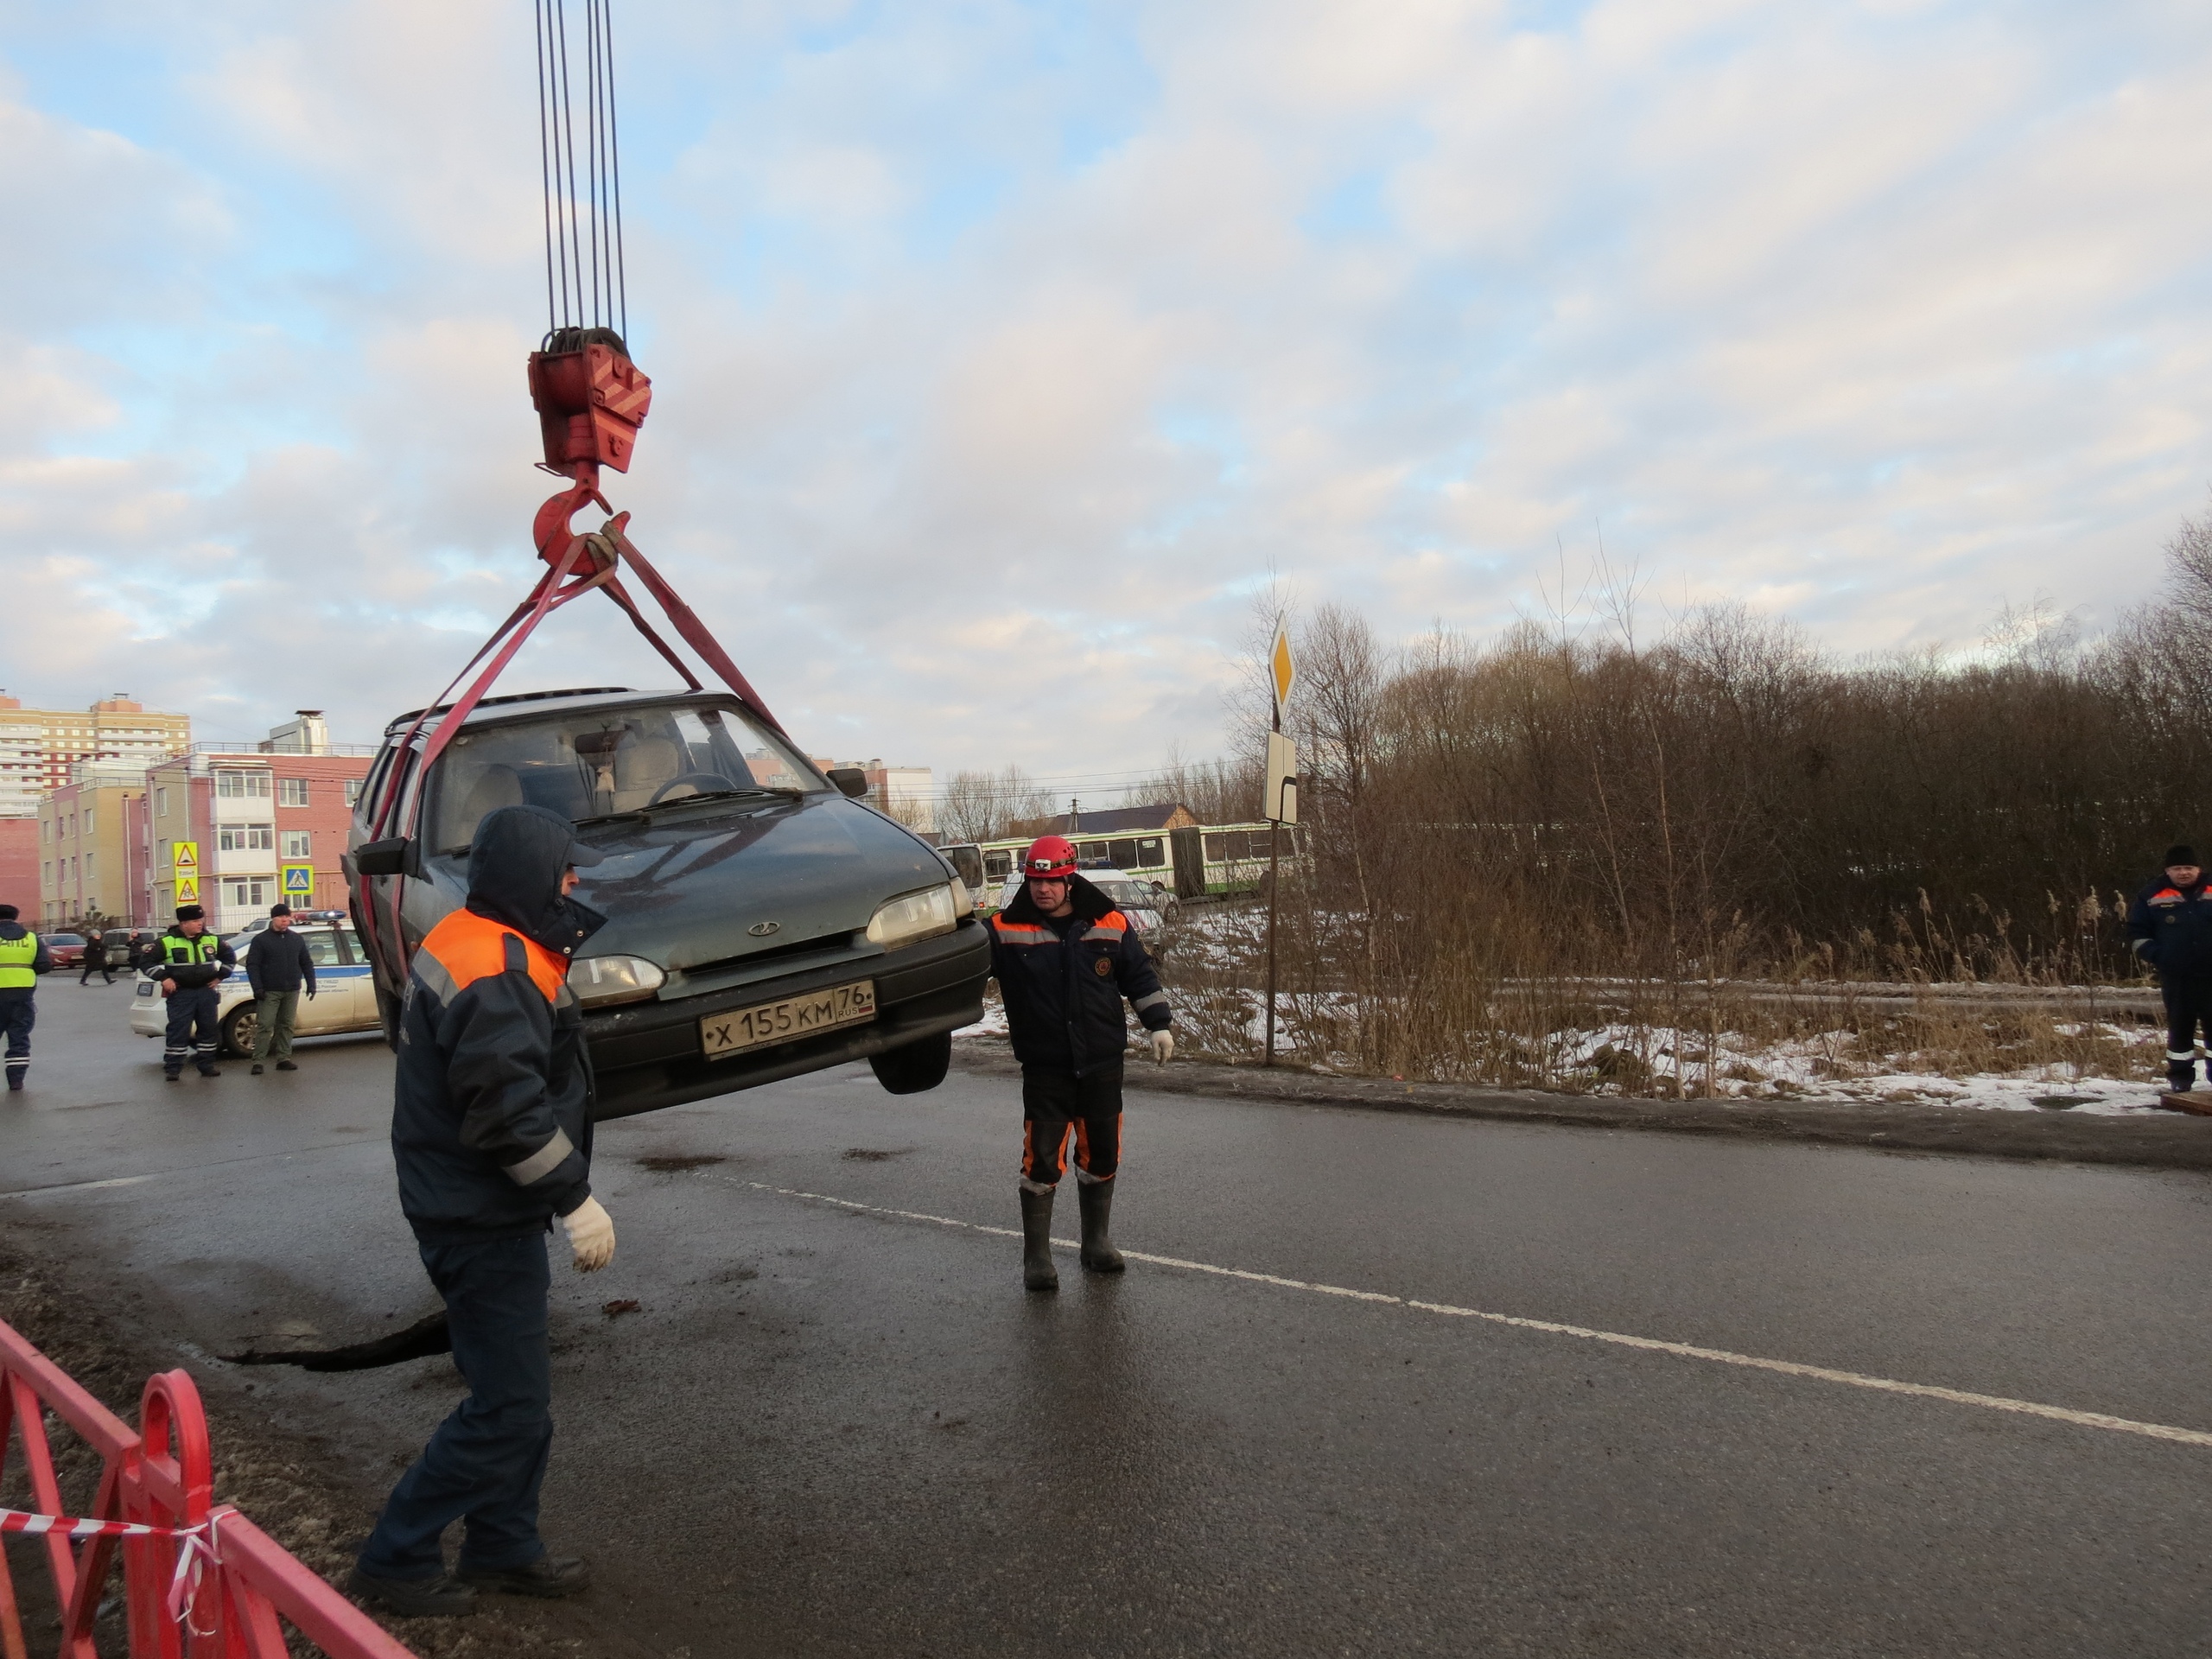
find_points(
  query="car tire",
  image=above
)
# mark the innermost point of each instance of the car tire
(913, 1067)
(239, 1026)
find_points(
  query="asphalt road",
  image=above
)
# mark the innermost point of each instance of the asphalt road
(837, 1430)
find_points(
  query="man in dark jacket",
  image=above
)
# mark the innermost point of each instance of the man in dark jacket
(1064, 958)
(278, 967)
(94, 960)
(190, 962)
(2170, 925)
(23, 957)
(491, 1129)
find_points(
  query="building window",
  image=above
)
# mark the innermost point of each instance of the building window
(162, 802)
(88, 820)
(299, 844)
(352, 791)
(242, 786)
(253, 894)
(291, 792)
(89, 857)
(245, 837)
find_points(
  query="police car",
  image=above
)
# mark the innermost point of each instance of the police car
(1142, 901)
(345, 1000)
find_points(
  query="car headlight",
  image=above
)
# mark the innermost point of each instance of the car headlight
(598, 980)
(916, 916)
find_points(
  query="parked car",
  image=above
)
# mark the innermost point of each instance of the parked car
(1145, 903)
(67, 950)
(761, 924)
(343, 1001)
(126, 946)
(244, 937)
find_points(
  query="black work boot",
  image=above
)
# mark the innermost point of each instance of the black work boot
(1099, 1254)
(549, 1575)
(1038, 1272)
(2181, 1075)
(442, 1597)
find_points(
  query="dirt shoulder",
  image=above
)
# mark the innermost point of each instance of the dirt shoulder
(2166, 1142)
(290, 1485)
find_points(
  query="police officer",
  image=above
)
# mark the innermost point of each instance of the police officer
(1065, 959)
(23, 957)
(491, 1128)
(2170, 925)
(190, 962)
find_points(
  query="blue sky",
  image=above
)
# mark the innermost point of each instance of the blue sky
(1002, 351)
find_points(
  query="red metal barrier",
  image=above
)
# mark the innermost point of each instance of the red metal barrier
(242, 1588)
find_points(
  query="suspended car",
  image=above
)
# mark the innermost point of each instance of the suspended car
(761, 923)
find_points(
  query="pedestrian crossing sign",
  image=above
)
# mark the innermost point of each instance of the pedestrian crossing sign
(187, 890)
(299, 881)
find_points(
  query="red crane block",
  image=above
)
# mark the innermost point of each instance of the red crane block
(591, 400)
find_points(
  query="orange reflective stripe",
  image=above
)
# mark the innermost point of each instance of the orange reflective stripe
(470, 947)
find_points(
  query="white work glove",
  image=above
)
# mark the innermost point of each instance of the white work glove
(1163, 1046)
(591, 1236)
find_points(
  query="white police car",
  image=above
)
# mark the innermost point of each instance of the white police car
(343, 1001)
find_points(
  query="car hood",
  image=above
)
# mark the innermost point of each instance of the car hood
(687, 889)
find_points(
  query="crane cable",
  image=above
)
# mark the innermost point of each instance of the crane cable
(586, 282)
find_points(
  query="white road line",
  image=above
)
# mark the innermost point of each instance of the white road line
(1618, 1339)
(75, 1187)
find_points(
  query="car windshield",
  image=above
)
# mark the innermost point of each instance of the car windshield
(1128, 895)
(595, 762)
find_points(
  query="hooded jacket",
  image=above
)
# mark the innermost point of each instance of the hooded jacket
(490, 1124)
(1064, 994)
(2171, 928)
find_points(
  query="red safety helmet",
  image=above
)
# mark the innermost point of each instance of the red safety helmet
(1050, 856)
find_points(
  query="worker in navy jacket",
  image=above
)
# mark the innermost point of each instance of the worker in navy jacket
(490, 1130)
(1065, 959)
(2170, 925)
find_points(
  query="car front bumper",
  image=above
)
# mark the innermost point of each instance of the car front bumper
(647, 1055)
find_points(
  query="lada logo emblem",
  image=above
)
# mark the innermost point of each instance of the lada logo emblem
(762, 930)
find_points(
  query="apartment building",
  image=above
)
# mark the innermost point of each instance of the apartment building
(41, 748)
(234, 828)
(91, 855)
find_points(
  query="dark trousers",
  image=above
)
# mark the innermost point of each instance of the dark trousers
(95, 966)
(18, 1014)
(2188, 1010)
(193, 1029)
(485, 1464)
(1053, 1104)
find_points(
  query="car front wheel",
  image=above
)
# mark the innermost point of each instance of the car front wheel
(913, 1067)
(240, 1028)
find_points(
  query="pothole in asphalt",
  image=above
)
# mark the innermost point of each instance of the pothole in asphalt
(673, 1163)
(2062, 1102)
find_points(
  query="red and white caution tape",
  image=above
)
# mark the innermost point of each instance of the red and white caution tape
(195, 1554)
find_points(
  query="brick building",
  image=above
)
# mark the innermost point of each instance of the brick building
(19, 865)
(91, 857)
(41, 748)
(249, 814)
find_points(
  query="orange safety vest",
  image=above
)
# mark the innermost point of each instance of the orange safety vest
(466, 947)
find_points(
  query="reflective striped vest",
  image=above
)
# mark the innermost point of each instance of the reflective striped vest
(17, 957)
(180, 952)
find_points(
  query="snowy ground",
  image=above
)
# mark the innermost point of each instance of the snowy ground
(1643, 1061)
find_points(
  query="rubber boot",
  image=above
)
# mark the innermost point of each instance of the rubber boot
(1038, 1272)
(2181, 1075)
(1099, 1254)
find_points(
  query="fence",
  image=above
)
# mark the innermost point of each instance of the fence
(199, 1580)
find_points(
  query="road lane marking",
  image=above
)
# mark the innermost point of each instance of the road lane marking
(1549, 1327)
(74, 1187)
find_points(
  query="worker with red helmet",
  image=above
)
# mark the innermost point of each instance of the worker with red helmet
(1065, 958)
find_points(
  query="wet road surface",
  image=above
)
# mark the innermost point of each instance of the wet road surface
(831, 1429)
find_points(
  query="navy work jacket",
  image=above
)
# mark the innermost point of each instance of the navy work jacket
(1063, 979)
(2171, 928)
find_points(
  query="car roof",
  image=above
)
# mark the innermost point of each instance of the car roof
(536, 705)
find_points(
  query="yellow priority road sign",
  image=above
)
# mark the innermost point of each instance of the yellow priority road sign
(1282, 672)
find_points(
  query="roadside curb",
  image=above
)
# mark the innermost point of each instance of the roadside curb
(2161, 1142)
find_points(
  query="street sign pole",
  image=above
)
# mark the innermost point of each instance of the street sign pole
(1282, 798)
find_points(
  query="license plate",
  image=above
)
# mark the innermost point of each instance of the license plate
(787, 1019)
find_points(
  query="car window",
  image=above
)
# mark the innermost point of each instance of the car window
(323, 946)
(65, 938)
(589, 764)
(354, 951)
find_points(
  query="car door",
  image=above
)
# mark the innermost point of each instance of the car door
(355, 977)
(331, 1007)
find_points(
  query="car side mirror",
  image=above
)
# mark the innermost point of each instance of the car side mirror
(387, 857)
(850, 780)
